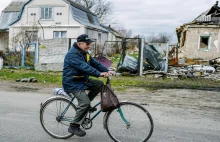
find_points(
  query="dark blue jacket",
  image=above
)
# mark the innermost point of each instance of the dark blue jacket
(78, 66)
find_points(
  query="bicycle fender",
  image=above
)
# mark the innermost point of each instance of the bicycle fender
(42, 103)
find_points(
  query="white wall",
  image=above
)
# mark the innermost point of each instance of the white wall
(111, 37)
(94, 35)
(59, 6)
(72, 32)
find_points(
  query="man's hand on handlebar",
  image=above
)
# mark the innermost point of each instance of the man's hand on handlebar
(107, 74)
(111, 73)
(104, 74)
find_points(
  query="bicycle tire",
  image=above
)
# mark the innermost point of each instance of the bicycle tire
(47, 105)
(117, 128)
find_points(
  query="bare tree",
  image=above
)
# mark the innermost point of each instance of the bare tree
(152, 38)
(163, 37)
(21, 39)
(25, 34)
(102, 8)
(126, 33)
(160, 38)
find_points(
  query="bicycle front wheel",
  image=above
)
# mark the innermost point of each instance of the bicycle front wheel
(129, 123)
(52, 120)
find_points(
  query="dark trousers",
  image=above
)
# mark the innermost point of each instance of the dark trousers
(84, 100)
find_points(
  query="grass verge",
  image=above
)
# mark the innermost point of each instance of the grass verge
(120, 83)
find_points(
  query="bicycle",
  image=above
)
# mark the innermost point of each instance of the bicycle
(119, 123)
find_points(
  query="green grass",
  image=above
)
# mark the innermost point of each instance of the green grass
(153, 84)
(115, 59)
(120, 83)
(42, 77)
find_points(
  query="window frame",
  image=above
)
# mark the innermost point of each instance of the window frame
(209, 43)
(60, 34)
(44, 15)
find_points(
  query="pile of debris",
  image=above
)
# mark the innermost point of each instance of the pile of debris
(191, 71)
(32, 79)
(159, 65)
(152, 61)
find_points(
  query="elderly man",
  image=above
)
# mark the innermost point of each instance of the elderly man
(78, 66)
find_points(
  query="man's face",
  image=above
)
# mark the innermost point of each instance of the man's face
(84, 46)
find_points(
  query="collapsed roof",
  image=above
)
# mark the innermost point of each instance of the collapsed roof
(210, 17)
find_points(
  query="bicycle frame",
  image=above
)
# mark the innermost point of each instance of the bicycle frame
(119, 110)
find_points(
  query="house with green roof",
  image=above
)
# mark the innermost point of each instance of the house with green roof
(45, 19)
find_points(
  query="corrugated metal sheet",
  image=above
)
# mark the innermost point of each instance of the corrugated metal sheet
(14, 6)
(82, 17)
(7, 18)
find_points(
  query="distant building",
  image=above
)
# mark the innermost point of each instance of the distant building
(113, 35)
(52, 19)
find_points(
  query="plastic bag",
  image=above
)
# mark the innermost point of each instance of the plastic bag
(109, 100)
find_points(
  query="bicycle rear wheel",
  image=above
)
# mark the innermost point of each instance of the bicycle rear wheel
(130, 123)
(51, 120)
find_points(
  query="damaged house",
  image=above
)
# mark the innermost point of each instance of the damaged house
(200, 38)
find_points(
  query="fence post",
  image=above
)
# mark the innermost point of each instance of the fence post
(23, 56)
(167, 58)
(141, 50)
(35, 53)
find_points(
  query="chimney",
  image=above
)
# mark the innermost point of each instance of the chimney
(216, 3)
(109, 26)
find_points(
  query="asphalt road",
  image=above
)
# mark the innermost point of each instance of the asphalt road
(19, 122)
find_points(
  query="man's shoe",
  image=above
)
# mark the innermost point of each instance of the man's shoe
(76, 130)
(92, 109)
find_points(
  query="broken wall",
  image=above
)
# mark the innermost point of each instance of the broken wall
(191, 48)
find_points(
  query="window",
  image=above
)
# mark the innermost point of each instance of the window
(204, 43)
(59, 34)
(47, 13)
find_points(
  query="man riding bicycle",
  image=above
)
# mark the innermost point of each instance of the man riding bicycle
(78, 66)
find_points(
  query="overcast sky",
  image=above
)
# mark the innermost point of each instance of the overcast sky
(153, 16)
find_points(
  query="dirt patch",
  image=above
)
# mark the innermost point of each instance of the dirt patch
(185, 98)
(25, 87)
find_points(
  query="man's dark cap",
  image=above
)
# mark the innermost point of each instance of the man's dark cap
(84, 38)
